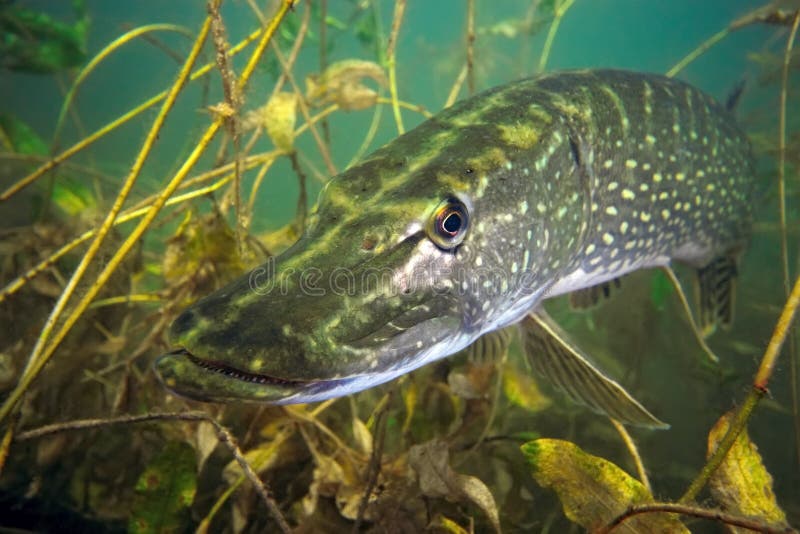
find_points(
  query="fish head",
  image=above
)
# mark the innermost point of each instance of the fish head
(404, 260)
(365, 295)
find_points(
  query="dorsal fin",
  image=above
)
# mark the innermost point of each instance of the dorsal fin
(735, 95)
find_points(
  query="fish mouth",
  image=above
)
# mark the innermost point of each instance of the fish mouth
(209, 380)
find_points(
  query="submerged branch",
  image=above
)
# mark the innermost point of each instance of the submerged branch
(696, 511)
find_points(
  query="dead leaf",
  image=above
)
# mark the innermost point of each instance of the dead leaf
(342, 84)
(279, 117)
(362, 436)
(742, 484)
(206, 441)
(430, 462)
(592, 490)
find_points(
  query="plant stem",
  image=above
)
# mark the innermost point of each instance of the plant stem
(697, 52)
(399, 9)
(559, 11)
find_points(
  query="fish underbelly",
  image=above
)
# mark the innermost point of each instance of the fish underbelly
(588, 276)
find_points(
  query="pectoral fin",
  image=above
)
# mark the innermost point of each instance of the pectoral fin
(715, 291)
(556, 358)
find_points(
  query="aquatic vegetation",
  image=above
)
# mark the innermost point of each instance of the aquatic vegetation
(108, 235)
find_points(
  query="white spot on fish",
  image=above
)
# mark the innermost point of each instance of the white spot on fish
(631, 163)
(608, 238)
(611, 210)
(627, 194)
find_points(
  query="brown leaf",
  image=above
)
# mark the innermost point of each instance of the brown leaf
(342, 84)
(430, 462)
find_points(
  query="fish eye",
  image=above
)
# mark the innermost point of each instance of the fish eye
(449, 224)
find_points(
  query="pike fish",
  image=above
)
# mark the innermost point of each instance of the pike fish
(464, 225)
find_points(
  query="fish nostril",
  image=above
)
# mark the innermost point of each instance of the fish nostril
(183, 323)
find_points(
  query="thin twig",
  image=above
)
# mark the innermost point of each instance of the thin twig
(397, 19)
(373, 468)
(120, 41)
(697, 52)
(233, 103)
(793, 357)
(223, 434)
(634, 452)
(696, 511)
(562, 6)
(302, 197)
(288, 64)
(301, 103)
(323, 57)
(454, 90)
(471, 46)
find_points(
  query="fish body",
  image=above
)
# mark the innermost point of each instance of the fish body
(466, 224)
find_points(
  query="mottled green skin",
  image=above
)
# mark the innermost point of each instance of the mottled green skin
(569, 179)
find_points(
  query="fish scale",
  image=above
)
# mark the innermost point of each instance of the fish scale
(465, 224)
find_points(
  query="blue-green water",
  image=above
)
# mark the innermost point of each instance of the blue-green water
(647, 343)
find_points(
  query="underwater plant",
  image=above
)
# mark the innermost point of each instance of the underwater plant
(111, 228)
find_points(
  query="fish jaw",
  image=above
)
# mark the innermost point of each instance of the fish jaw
(196, 378)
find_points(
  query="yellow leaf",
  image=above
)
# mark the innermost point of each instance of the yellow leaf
(521, 389)
(592, 490)
(278, 118)
(441, 523)
(362, 436)
(742, 484)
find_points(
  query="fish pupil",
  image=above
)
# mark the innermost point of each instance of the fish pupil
(451, 224)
